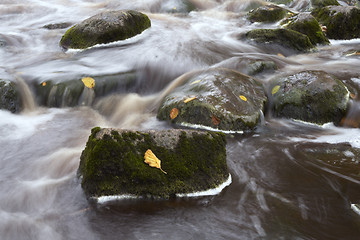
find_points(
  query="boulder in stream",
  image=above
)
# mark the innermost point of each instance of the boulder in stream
(9, 96)
(268, 13)
(323, 3)
(311, 96)
(218, 98)
(286, 38)
(342, 22)
(113, 162)
(104, 28)
(306, 24)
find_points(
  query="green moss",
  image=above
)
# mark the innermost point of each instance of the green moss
(323, 3)
(284, 37)
(115, 164)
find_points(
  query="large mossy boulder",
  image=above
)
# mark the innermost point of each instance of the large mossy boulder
(268, 13)
(9, 96)
(311, 96)
(287, 38)
(218, 98)
(306, 24)
(104, 28)
(113, 162)
(323, 3)
(342, 22)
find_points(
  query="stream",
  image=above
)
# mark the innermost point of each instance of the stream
(290, 180)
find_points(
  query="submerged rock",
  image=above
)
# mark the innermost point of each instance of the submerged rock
(268, 13)
(218, 98)
(342, 22)
(311, 96)
(9, 96)
(177, 6)
(105, 27)
(113, 162)
(281, 37)
(306, 24)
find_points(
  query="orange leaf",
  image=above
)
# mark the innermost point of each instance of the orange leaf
(43, 84)
(216, 121)
(189, 99)
(173, 113)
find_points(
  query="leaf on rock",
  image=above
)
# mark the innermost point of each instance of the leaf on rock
(152, 160)
(88, 82)
(215, 120)
(275, 89)
(194, 82)
(173, 113)
(189, 99)
(243, 98)
(43, 84)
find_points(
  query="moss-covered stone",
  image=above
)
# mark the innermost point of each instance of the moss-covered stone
(9, 96)
(177, 6)
(257, 67)
(105, 28)
(113, 162)
(342, 22)
(312, 96)
(224, 99)
(324, 3)
(283, 37)
(268, 13)
(305, 23)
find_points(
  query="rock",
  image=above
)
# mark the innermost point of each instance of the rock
(218, 98)
(105, 27)
(311, 96)
(71, 93)
(306, 24)
(257, 67)
(342, 22)
(9, 96)
(290, 39)
(113, 162)
(53, 26)
(177, 6)
(323, 3)
(268, 13)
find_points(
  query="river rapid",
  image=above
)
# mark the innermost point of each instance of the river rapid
(283, 186)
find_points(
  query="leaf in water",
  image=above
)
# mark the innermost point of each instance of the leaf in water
(43, 84)
(173, 113)
(88, 82)
(275, 89)
(189, 99)
(280, 55)
(215, 120)
(194, 82)
(243, 98)
(152, 160)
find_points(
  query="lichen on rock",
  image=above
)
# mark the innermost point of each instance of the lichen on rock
(104, 28)
(311, 96)
(224, 100)
(113, 162)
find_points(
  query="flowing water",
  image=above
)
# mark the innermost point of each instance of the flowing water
(290, 180)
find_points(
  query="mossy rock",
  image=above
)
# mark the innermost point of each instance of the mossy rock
(222, 99)
(177, 6)
(113, 162)
(267, 14)
(287, 38)
(342, 22)
(259, 66)
(311, 96)
(105, 27)
(305, 23)
(72, 93)
(10, 98)
(324, 3)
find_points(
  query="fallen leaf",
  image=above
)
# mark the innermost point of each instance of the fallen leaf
(152, 160)
(173, 113)
(280, 55)
(215, 120)
(353, 96)
(43, 84)
(189, 99)
(88, 82)
(275, 89)
(243, 98)
(194, 82)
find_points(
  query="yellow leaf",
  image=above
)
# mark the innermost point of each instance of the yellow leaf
(275, 89)
(189, 99)
(243, 98)
(173, 113)
(280, 55)
(88, 82)
(194, 82)
(152, 160)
